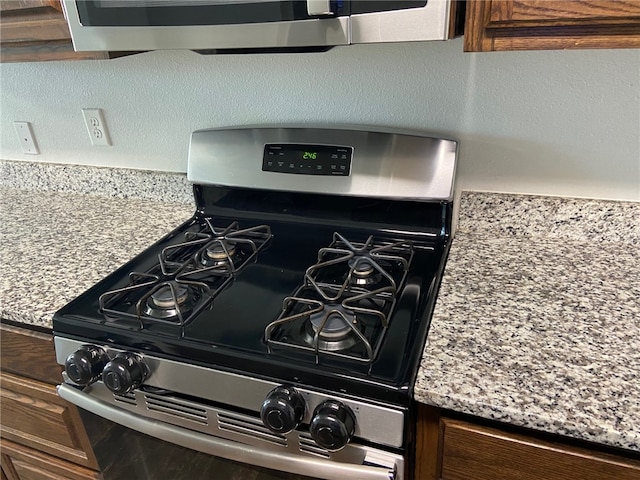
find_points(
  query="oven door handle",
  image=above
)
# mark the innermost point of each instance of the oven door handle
(300, 465)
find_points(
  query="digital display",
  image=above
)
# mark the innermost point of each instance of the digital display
(307, 159)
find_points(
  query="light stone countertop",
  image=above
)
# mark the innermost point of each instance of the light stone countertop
(56, 245)
(65, 227)
(537, 321)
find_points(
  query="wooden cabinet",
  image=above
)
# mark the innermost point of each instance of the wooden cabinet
(22, 463)
(35, 30)
(42, 436)
(542, 24)
(456, 449)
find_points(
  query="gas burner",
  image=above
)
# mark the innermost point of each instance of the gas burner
(221, 253)
(362, 272)
(353, 328)
(360, 267)
(333, 322)
(332, 328)
(229, 249)
(150, 299)
(214, 251)
(220, 250)
(167, 300)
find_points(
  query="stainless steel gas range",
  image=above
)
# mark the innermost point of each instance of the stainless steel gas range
(283, 324)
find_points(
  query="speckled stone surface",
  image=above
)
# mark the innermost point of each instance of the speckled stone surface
(537, 322)
(550, 217)
(55, 245)
(111, 182)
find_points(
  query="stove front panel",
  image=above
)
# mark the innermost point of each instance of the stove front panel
(183, 384)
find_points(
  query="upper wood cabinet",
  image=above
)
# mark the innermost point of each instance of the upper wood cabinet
(551, 24)
(35, 30)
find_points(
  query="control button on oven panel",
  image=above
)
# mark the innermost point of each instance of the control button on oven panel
(85, 365)
(124, 373)
(307, 159)
(282, 410)
(333, 425)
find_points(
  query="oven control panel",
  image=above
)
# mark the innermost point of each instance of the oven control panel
(307, 159)
(331, 422)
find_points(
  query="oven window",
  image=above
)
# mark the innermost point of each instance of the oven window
(125, 454)
(158, 13)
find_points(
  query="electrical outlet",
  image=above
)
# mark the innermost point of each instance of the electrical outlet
(27, 141)
(96, 127)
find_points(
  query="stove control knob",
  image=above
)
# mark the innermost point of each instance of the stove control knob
(84, 366)
(124, 373)
(282, 410)
(333, 425)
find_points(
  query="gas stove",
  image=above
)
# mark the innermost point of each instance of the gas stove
(284, 322)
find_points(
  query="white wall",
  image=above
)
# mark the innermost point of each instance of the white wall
(558, 122)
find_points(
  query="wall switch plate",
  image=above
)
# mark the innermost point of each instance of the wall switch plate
(96, 127)
(27, 141)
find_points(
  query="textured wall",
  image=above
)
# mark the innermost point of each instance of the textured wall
(559, 123)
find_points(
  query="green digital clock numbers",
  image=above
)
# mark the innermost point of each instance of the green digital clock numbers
(309, 155)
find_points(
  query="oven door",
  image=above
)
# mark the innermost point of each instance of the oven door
(130, 446)
(131, 25)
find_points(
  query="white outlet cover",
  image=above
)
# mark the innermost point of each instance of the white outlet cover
(96, 126)
(27, 140)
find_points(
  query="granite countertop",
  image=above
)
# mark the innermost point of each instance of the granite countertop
(54, 245)
(537, 322)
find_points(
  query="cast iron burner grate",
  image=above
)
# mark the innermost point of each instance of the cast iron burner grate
(187, 277)
(343, 307)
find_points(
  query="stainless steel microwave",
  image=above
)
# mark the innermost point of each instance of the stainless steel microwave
(133, 25)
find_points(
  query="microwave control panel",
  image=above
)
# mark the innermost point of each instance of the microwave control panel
(307, 159)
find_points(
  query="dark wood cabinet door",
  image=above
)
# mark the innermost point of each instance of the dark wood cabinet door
(22, 463)
(474, 452)
(559, 24)
(460, 449)
(35, 30)
(34, 416)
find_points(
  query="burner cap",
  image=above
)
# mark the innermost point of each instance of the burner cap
(163, 305)
(363, 273)
(220, 250)
(362, 266)
(336, 327)
(163, 297)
